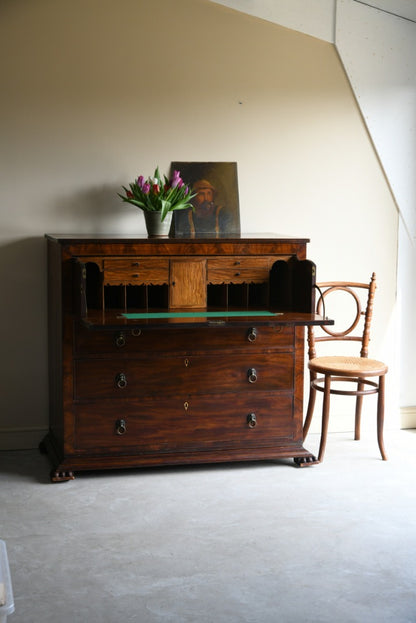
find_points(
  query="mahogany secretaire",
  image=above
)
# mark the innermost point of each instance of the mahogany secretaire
(176, 350)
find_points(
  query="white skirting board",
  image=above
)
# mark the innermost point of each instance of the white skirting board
(408, 417)
(21, 439)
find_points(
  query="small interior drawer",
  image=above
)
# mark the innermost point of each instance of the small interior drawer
(136, 270)
(240, 269)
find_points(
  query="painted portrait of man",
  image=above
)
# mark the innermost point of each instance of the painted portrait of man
(216, 207)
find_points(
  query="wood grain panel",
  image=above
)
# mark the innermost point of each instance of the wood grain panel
(188, 284)
(194, 374)
(144, 340)
(165, 425)
(136, 271)
(239, 269)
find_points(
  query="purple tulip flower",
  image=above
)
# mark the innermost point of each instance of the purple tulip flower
(146, 188)
(176, 179)
(140, 182)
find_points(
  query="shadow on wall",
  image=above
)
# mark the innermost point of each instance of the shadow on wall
(23, 322)
(97, 210)
(23, 294)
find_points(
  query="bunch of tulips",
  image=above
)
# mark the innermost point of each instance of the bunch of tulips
(159, 195)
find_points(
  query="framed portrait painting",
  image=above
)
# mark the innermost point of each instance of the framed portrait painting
(216, 204)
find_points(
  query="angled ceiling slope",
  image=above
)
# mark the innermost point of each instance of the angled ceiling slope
(312, 17)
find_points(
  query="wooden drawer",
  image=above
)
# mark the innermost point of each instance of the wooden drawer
(136, 271)
(142, 340)
(165, 425)
(192, 374)
(239, 269)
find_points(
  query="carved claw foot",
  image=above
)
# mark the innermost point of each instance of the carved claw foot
(306, 461)
(61, 476)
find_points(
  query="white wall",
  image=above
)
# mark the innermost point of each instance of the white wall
(376, 40)
(91, 97)
(385, 87)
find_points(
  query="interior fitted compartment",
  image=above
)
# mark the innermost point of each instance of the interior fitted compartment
(285, 284)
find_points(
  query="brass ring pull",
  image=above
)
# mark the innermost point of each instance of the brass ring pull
(121, 380)
(252, 334)
(121, 427)
(251, 420)
(136, 332)
(120, 340)
(252, 375)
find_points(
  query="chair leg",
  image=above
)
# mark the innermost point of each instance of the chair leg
(380, 417)
(311, 406)
(325, 417)
(358, 407)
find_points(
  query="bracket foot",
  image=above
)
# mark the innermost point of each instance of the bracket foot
(306, 461)
(61, 476)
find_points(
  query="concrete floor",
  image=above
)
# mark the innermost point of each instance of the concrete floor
(255, 543)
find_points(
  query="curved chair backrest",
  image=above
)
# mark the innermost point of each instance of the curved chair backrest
(357, 292)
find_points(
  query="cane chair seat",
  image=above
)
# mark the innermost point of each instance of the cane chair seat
(357, 371)
(348, 366)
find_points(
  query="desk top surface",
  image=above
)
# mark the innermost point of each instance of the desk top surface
(134, 238)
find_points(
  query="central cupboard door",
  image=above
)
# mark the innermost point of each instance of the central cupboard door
(188, 280)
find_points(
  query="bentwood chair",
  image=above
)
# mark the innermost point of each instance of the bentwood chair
(336, 369)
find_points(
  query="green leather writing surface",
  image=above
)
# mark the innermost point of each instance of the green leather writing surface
(196, 314)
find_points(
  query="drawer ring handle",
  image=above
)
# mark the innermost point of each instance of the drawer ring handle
(121, 380)
(252, 375)
(252, 334)
(120, 340)
(251, 420)
(121, 427)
